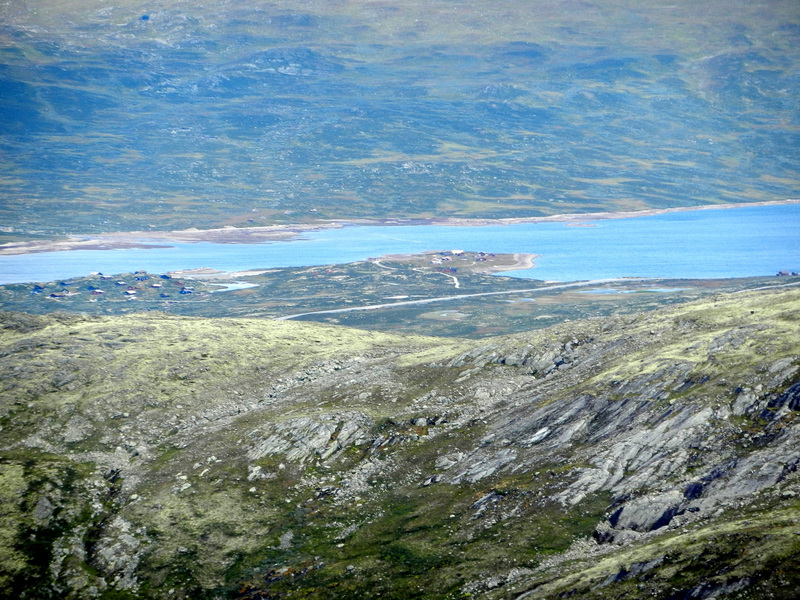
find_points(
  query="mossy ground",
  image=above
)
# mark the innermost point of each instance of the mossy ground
(159, 431)
(45, 498)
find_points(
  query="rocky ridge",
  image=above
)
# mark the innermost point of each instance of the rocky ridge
(160, 457)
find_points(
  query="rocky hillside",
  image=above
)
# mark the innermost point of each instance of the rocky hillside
(655, 455)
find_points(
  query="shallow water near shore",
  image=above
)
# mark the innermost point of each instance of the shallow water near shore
(736, 242)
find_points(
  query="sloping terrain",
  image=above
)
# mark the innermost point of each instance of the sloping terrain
(654, 455)
(139, 115)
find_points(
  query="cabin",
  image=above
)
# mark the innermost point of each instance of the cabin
(63, 294)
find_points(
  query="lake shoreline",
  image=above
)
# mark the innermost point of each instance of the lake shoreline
(752, 241)
(277, 233)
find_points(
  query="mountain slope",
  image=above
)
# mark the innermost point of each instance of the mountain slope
(163, 457)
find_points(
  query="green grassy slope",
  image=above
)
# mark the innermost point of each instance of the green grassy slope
(152, 456)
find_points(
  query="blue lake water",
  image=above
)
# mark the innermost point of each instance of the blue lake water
(735, 242)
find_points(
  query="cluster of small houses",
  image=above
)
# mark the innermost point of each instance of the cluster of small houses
(130, 291)
(447, 256)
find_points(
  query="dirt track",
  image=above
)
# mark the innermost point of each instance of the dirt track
(548, 288)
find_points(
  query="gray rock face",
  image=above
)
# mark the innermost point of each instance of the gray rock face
(484, 467)
(638, 437)
(648, 513)
(118, 553)
(300, 439)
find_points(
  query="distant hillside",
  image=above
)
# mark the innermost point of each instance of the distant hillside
(153, 456)
(140, 116)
